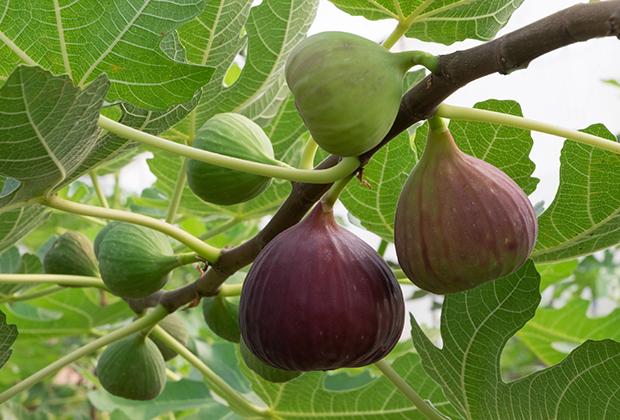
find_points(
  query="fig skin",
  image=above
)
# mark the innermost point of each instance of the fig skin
(232, 135)
(318, 298)
(347, 90)
(174, 325)
(222, 317)
(460, 221)
(268, 373)
(132, 368)
(72, 253)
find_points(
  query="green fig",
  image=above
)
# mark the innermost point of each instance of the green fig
(347, 90)
(222, 317)
(460, 221)
(265, 371)
(132, 368)
(175, 326)
(72, 253)
(236, 136)
(101, 235)
(134, 261)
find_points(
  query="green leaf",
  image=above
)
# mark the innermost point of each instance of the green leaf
(8, 335)
(553, 273)
(552, 333)
(11, 262)
(307, 397)
(445, 21)
(475, 326)
(47, 128)
(86, 39)
(14, 224)
(584, 217)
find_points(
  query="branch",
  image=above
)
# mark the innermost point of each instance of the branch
(503, 55)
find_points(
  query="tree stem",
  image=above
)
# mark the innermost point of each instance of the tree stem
(65, 280)
(98, 190)
(393, 376)
(175, 201)
(31, 295)
(492, 117)
(207, 251)
(323, 176)
(219, 386)
(146, 321)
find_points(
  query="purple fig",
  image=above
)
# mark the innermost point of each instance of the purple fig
(318, 297)
(460, 221)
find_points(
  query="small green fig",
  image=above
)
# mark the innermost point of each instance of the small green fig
(460, 221)
(236, 136)
(222, 317)
(134, 261)
(269, 373)
(132, 368)
(174, 325)
(347, 90)
(72, 253)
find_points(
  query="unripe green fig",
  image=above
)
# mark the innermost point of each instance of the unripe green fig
(269, 373)
(72, 253)
(134, 261)
(175, 326)
(232, 135)
(460, 221)
(132, 368)
(222, 317)
(347, 90)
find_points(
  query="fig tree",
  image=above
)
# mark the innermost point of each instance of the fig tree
(318, 298)
(132, 368)
(222, 317)
(174, 325)
(72, 253)
(232, 135)
(460, 221)
(347, 90)
(263, 370)
(134, 261)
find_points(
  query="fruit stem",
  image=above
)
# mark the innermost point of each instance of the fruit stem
(322, 176)
(421, 58)
(175, 200)
(146, 321)
(206, 251)
(230, 290)
(98, 190)
(492, 117)
(219, 386)
(307, 157)
(425, 408)
(437, 124)
(64, 280)
(186, 258)
(330, 197)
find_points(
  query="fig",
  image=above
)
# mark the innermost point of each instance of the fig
(132, 368)
(263, 370)
(222, 317)
(347, 90)
(233, 135)
(460, 221)
(72, 253)
(134, 261)
(317, 298)
(175, 326)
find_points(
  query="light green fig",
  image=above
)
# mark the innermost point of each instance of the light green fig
(132, 368)
(175, 326)
(101, 235)
(265, 371)
(347, 89)
(72, 253)
(134, 261)
(232, 135)
(222, 317)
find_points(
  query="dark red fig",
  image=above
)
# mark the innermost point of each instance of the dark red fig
(460, 221)
(318, 297)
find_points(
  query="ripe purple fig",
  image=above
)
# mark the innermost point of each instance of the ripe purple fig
(318, 297)
(460, 221)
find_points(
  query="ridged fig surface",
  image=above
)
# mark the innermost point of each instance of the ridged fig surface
(132, 368)
(134, 261)
(72, 253)
(222, 317)
(460, 221)
(232, 135)
(317, 297)
(174, 325)
(347, 90)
